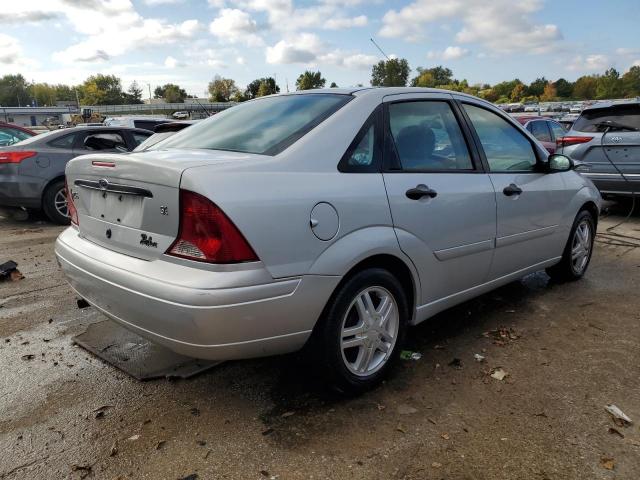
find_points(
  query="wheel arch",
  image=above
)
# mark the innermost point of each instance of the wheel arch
(592, 208)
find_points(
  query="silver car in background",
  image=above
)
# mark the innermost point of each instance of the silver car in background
(606, 140)
(328, 219)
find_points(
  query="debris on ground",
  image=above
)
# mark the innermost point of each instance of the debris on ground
(619, 417)
(193, 476)
(445, 436)
(456, 363)
(113, 451)
(82, 303)
(133, 438)
(615, 431)
(9, 271)
(607, 463)
(409, 355)
(406, 409)
(85, 470)
(479, 358)
(287, 414)
(29, 356)
(436, 465)
(160, 444)
(267, 431)
(502, 335)
(499, 373)
(100, 411)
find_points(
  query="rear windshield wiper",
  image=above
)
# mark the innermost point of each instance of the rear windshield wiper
(613, 125)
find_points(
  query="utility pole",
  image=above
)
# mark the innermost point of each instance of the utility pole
(150, 100)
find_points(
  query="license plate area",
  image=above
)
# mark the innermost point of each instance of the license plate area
(119, 208)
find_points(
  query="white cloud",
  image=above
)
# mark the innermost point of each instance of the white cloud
(236, 26)
(170, 62)
(344, 22)
(216, 3)
(628, 52)
(240, 60)
(595, 62)
(153, 3)
(308, 49)
(449, 53)
(504, 26)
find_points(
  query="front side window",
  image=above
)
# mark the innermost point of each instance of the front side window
(427, 137)
(266, 126)
(505, 147)
(541, 131)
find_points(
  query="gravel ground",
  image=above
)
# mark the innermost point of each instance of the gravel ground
(568, 350)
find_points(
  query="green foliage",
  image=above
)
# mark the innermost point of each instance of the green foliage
(609, 85)
(631, 82)
(518, 92)
(390, 73)
(222, 89)
(310, 80)
(536, 88)
(333, 85)
(434, 77)
(171, 93)
(564, 88)
(13, 91)
(253, 89)
(585, 87)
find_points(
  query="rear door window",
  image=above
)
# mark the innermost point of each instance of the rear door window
(589, 120)
(540, 130)
(66, 141)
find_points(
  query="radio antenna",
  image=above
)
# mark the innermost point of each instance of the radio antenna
(378, 47)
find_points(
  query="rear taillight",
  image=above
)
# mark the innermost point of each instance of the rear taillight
(71, 207)
(567, 141)
(206, 234)
(15, 157)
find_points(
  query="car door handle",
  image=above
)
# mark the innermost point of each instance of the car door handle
(421, 191)
(512, 189)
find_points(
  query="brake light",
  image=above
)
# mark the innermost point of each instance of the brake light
(206, 234)
(71, 207)
(15, 157)
(96, 163)
(567, 141)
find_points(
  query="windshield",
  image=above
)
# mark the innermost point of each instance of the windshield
(265, 126)
(153, 140)
(625, 115)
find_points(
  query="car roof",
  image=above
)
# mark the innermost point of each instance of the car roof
(18, 127)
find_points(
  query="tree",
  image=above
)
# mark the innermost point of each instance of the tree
(631, 82)
(564, 88)
(609, 85)
(310, 80)
(13, 91)
(222, 89)
(518, 92)
(504, 89)
(585, 87)
(264, 90)
(333, 85)
(489, 94)
(390, 73)
(134, 94)
(102, 90)
(434, 77)
(170, 93)
(43, 94)
(536, 88)
(254, 87)
(550, 93)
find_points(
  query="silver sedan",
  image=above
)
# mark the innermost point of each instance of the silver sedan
(329, 219)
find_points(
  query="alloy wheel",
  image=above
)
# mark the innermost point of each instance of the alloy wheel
(60, 203)
(369, 331)
(581, 246)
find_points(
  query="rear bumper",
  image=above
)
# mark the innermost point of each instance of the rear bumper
(218, 315)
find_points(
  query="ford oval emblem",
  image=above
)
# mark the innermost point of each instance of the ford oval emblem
(104, 183)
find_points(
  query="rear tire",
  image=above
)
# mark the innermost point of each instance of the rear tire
(577, 253)
(361, 333)
(54, 203)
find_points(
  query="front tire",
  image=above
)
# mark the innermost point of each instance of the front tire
(362, 331)
(54, 203)
(577, 253)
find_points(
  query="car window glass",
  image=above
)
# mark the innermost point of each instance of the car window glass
(541, 131)
(594, 120)
(113, 136)
(363, 153)
(427, 137)
(65, 141)
(11, 136)
(557, 130)
(505, 147)
(138, 138)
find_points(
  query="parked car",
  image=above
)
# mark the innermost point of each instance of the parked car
(131, 121)
(180, 115)
(606, 139)
(11, 134)
(332, 219)
(32, 171)
(544, 129)
(531, 108)
(575, 108)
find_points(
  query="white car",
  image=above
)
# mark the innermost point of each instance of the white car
(180, 115)
(332, 219)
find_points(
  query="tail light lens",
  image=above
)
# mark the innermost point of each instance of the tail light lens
(567, 141)
(71, 207)
(206, 234)
(15, 157)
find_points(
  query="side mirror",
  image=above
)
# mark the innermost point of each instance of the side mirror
(104, 141)
(559, 163)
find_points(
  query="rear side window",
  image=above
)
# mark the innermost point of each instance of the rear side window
(541, 131)
(427, 137)
(65, 141)
(505, 147)
(266, 126)
(589, 120)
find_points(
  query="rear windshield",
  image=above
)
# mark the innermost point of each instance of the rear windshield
(266, 126)
(625, 115)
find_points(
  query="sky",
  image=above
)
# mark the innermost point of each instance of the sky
(189, 41)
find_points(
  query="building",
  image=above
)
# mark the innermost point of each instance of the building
(34, 116)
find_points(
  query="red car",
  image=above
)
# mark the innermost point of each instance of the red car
(10, 134)
(544, 129)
